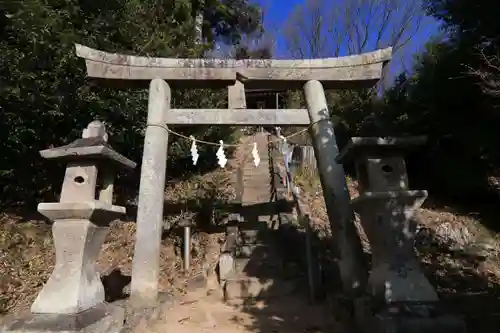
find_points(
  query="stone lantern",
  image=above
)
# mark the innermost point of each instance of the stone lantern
(386, 207)
(74, 294)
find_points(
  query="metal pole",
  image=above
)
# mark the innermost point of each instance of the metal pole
(309, 256)
(187, 248)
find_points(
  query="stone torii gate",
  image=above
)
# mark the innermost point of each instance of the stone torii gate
(312, 75)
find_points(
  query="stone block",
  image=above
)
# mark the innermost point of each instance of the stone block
(382, 174)
(394, 324)
(231, 239)
(387, 220)
(88, 149)
(98, 212)
(374, 146)
(255, 251)
(250, 236)
(103, 318)
(406, 318)
(388, 323)
(258, 267)
(236, 96)
(226, 266)
(254, 236)
(199, 281)
(143, 317)
(75, 284)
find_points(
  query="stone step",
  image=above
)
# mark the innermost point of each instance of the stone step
(250, 260)
(247, 225)
(252, 267)
(249, 173)
(258, 186)
(257, 190)
(244, 287)
(260, 253)
(264, 162)
(256, 198)
(250, 200)
(257, 251)
(263, 219)
(257, 183)
(262, 194)
(264, 183)
(254, 236)
(261, 170)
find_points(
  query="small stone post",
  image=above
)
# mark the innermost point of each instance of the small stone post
(350, 255)
(187, 249)
(236, 96)
(74, 295)
(386, 207)
(146, 262)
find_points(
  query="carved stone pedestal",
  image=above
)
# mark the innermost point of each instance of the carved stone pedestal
(406, 317)
(102, 318)
(79, 231)
(400, 298)
(72, 300)
(386, 219)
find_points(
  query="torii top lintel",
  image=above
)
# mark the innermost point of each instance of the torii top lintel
(343, 72)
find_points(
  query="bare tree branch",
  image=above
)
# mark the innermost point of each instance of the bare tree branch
(325, 28)
(488, 73)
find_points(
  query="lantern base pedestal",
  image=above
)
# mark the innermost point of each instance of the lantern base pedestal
(406, 317)
(102, 318)
(98, 212)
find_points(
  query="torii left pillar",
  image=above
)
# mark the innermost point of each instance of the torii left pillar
(146, 262)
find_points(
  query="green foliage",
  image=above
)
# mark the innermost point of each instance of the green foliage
(444, 101)
(231, 19)
(46, 101)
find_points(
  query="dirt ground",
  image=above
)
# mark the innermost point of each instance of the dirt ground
(202, 312)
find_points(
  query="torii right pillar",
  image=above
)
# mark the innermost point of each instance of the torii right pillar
(400, 298)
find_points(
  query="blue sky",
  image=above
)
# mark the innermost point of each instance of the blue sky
(277, 11)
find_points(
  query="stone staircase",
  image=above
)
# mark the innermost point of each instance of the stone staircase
(254, 264)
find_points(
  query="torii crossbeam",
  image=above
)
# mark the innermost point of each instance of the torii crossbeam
(344, 72)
